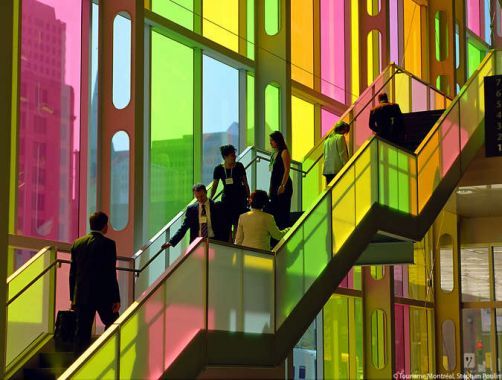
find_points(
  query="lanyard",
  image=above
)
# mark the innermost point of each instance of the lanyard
(225, 170)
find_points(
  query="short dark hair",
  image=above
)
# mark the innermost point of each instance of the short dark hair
(226, 150)
(199, 187)
(342, 127)
(382, 97)
(279, 140)
(98, 221)
(259, 199)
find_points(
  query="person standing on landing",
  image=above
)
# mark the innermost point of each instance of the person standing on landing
(281, 187)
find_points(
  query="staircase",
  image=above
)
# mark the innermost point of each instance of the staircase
(416, 127)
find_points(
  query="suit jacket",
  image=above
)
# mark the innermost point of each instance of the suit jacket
(255, 229)
(386, 120)
(191, 222)
(93, 279)
(335, 153)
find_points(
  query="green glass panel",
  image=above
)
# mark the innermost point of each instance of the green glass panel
(250, 28)
(336, 338)
(250, 111)
(272, 17)
(102, 364)
(171, 167)
(179, 11)
(359, 337)
(377, 272)
(314, 182)
(378, 338)
(272, 111)
(366, 178)
(343, 213)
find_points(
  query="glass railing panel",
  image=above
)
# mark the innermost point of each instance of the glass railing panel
(429, 169)
(472, 104)
(263, 171)
(310, 243)
(397, 182)
(401, 85)
(449, 136)
(103, 364)
(240, 295)
(366, 180)
(343, 197)
(296, 179)
(30, 311)
(498, 61)
(420, 93)
(313, 182)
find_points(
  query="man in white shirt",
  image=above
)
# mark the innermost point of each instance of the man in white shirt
(335, 151)
(201, 218)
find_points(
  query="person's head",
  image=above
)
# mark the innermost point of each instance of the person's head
(342, 127)
(200, 192)
(228, 153)
(383, 98)
(277, 141)
(259, 199)
(98, 221)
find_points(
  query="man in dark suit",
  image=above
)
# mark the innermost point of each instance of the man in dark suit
(93, 280)
(202, 218)
(386, 120)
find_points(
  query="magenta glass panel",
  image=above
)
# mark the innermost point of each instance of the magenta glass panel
(402, 339)
(333, 49)
(450, 139)
(49, 128)
(361, 130)
(394, 35)
(473, 16)
(328, 121)
(419, 100)
(401, 280)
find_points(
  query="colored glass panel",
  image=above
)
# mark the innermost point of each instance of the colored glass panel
(412, 38)
(446, 262)
(373, 7)
(419, 273)
(393, 31)
(49, 119)
(272, 111)
(374, 42)
(250, 19)
(336, 338)
(302, 123)
(378, 335)
(441, 35)
(486, 22)
(221, 22)
(328, 121)
(474, 56)
(250, 104)
(332, 17)
(104, 363)
(475, 275)
(172, 107)
(354, 41)
(421, 341)
(179, 11)
(272, 14)
(473, 16)
(119, 181)
(302, 48)
(122, 45)
(402, 338)
(365, 181)
(344, 219)
(220, 112)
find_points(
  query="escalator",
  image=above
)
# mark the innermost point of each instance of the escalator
(219, 304)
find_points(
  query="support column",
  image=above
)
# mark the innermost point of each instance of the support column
(9, 63)
(447, 303)
(461, 70)
(496, 23)
(273, 57)
(129, 119)
(378, 295)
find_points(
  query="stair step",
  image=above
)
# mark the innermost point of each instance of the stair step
(42, 373)
(55, 359)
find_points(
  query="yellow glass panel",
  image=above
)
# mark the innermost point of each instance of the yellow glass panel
(102, 364)
(354, 36)
(302, 119)
(402, 92)
(378, 335)
(343, 198)
(412, 38)
(429, 170)
(417, 273)
(263, 264)
(336, 338)
(221, 22)
(373, 64)
(366, 181)
(302, 47)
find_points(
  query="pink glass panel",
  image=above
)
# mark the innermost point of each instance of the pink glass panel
(402, 339)
(394, 39)
(333, 49)
(473, 16)
(328, 121)
(450, 140)
(49, 119)
(401, 281)
(419, 100)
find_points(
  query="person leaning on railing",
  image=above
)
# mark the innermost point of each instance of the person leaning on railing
(256, 226)
(336, 154)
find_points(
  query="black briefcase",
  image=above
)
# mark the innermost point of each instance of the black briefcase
(64, 333)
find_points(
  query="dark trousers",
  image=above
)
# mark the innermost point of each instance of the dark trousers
(329, 178)
(85, 319)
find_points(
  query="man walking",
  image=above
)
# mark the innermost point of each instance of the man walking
(386, 120)
(93, 280)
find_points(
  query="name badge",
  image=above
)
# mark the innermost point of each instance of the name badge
(229, 181)
(203, 219)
